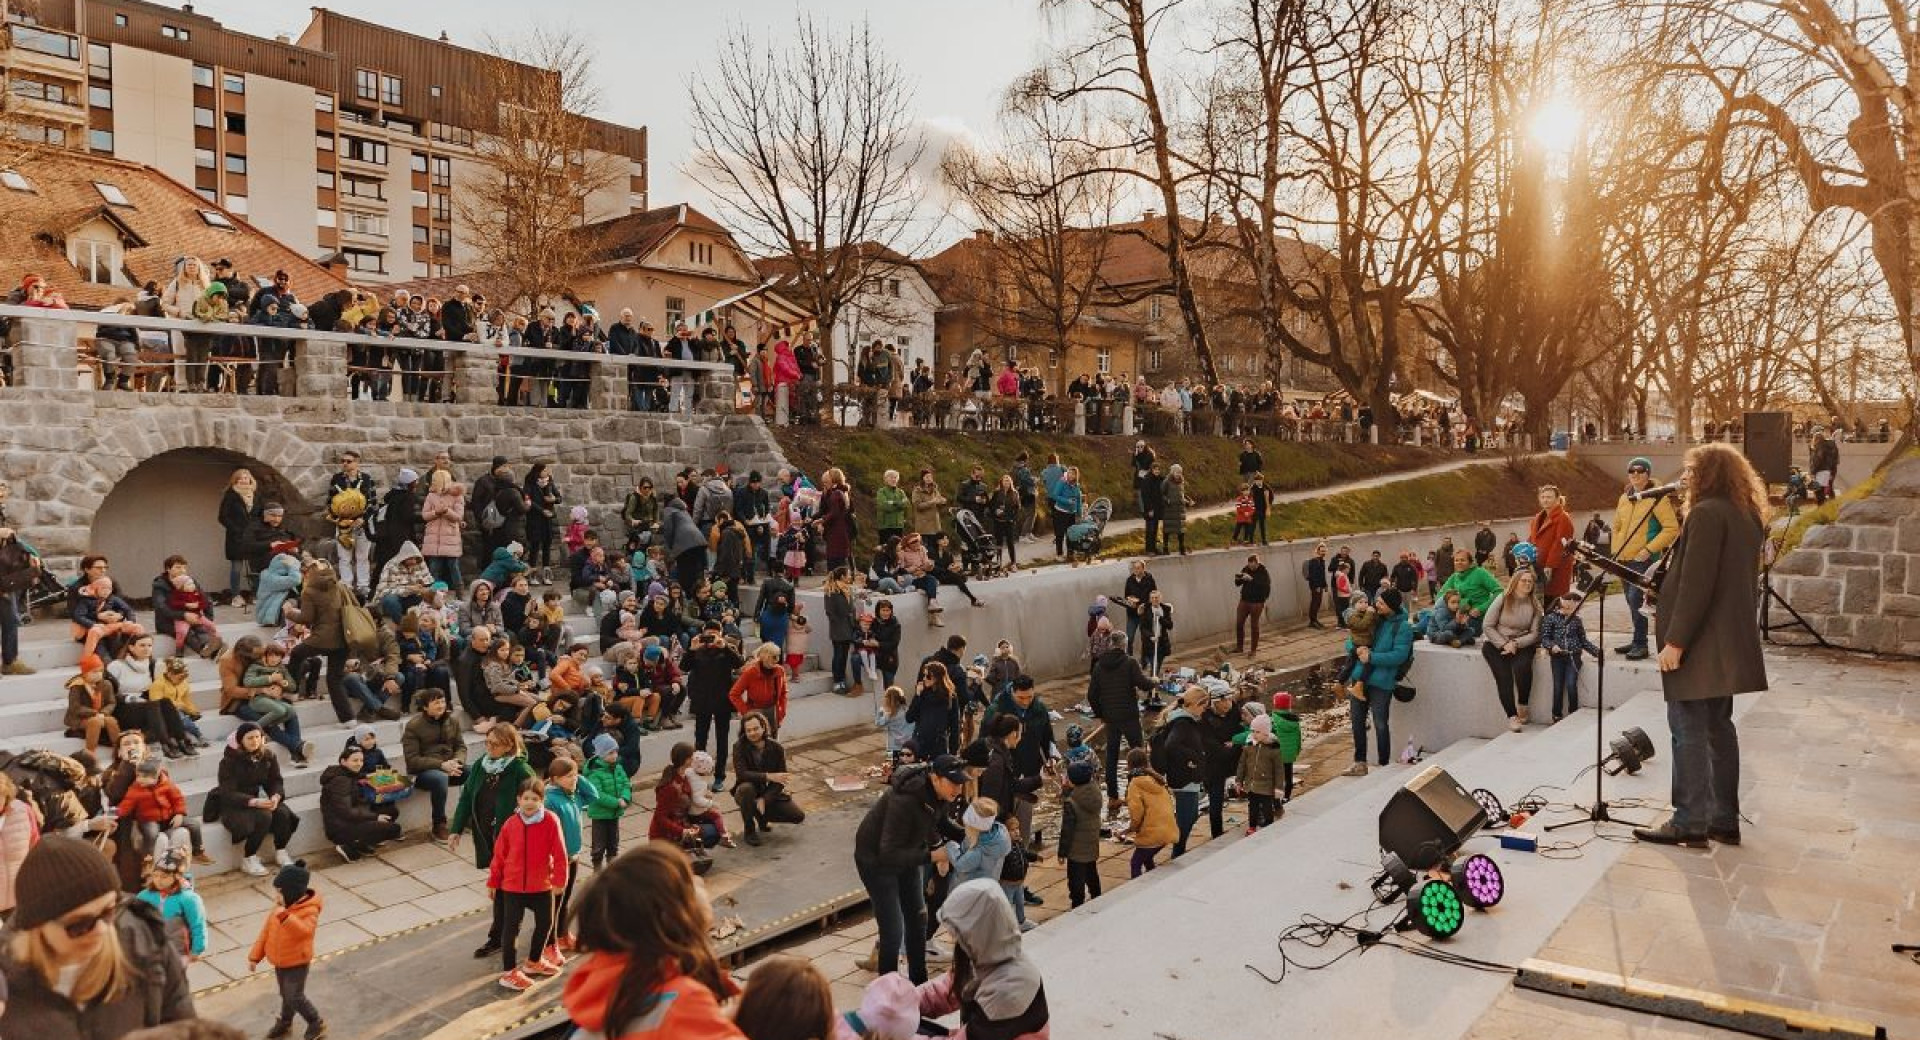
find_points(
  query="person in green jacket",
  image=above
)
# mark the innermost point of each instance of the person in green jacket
(890, 507)
(487, 800)
(1476, 585)
(613, 792)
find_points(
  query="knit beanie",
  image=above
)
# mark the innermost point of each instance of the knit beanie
(91, 663)
(1391, 597)
(603, 745)
(60, 875)
(292, 881)
(1080, 772)
(976, 754)
(1282, 701)
(1263, 725)
(1641, 461)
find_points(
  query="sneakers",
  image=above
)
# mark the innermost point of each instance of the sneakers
(440, 832)
(252, 868)
(516, 980)
(491, 947)
(202, 858)
(280, 856)
(280, 1030)
(1513, 724)
(1521, 714)
(539, 969)
(937, 952)
(552, 957)
(1638, 653)
(751, 838)
(306, 752)
(1357, 769)
(316, 1031)
(17, 668)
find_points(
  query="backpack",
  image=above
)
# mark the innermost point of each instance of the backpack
(491, 518)
(1157, 748)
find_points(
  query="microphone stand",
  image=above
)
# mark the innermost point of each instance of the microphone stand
(1597, 585)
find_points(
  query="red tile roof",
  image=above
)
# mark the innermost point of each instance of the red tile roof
(161, 222)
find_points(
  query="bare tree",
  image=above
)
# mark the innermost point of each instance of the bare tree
(527, 207)
(808, 146)
(1041, 200)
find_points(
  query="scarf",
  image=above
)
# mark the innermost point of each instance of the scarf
(494, 766)
(533, 818)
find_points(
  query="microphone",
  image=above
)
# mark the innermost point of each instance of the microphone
(1662, 491)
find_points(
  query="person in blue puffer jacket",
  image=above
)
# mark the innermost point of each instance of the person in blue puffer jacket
(279, 581)
(1382, 665)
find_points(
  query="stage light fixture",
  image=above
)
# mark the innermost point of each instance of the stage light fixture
(1436, 910)
(1479, 882)
(1631, 749)
(1490, 804)
(1395, 878)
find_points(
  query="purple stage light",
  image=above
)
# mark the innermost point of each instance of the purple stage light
(1479, 882)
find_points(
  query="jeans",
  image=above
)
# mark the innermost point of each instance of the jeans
(1635, 599)
(435, 783)
(720, 721)
(360, 690)
(9, 629)
(240, 577)
(287, 735)
(1129, 729)
(899, 903)
(293, 994)
(1706, 765)
(1566, 684)
(1186, 813)
(447, 569)
(1377, 704)
(1512, 673)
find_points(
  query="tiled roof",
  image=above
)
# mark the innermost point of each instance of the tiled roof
(634, 236)
(162, 222)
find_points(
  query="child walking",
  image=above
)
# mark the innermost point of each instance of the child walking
(286, 942)
(1080, 833)
(528, 873)
(568, 795)
(892, 718)
(1261, 764)
(612, 793)
(1150, 807)
(1565, 637)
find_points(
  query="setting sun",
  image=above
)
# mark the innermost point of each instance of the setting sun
(1555, 125)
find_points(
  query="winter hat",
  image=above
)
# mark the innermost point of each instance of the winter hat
(578, 514)
(1283, 701)
(889, 1010)
(594, 671)
(976, 754)
(516, 549)
(979, 660)
(1642, 462)
(407, 477)
(148, 768)
(60, 875)
(1075, 735)
(702, 763)
(656, 590)
(1099, 606)
(1391, 597)
(653, 653)
(91, 663)
(603, 745)
(360, 733)
(1080, 772)
(1263, 725)
(498, 461)
(292, 881)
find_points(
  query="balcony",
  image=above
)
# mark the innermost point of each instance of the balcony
(36, 108)
(362, 203)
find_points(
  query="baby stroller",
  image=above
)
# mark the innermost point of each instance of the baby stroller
(979, 551)
(1083, 538)
(1796, 492)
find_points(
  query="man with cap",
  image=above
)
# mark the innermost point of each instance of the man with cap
(1645, 529)
(1217, 728)
(67, 897)
(902, 834)
(239, 292)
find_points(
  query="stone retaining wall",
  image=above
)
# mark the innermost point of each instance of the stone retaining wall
(1858, 580)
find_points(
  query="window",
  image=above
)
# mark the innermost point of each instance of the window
(100, 141)
(41, 41)
(323, 141)
(174, 32)
(215, 218)
(237, 164)
(361, 260)
(203, 117)
(236, 122)
(234, 83)
(361, 149)
(401, 126)
(418, 163)
(903, 342)
(210, 195)
(363, 188)
(323, 102)
(14, 180)
(34, 133)
(324, 217)
(120, 20)
(419, 200)
(202, 76)
(700, 252)
(676, 311)
(1153, 310)
(442, 270)
(112, 193)
(1153, 360)
(1053, 358)
(442, 206)
(365, 84)
(323, 179)
(434, 90)
(420, 234)
(893, 288)
(100, 97)
(95, 260)
(204, 158)
(41, 91)
(99, 61)
(442, 171)
(390, 90)
(442, 240)
(364, 223)
(1103, 362)
(238, 204)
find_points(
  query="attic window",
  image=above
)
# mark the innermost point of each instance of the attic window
(217, 219)
(13, 179)
(112, 193)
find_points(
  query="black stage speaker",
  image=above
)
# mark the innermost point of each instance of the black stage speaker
(1428, 818)
(1769, 444)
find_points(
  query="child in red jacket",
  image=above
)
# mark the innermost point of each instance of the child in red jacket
(529, 872)
(159, 813)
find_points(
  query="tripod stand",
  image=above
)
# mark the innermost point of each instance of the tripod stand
(1770, 595)
(1597, 586)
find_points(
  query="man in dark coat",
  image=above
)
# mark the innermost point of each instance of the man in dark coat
(1256, 586)
(1035, 750)
(1110, 692)
(399, 520)
(1184, 756)
(1709, 645)
(897, 839)
(1217, 727)
(1315, 571)
(710, 666)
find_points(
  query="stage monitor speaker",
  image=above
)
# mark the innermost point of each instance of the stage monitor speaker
(1429, 818)
(1769, 444)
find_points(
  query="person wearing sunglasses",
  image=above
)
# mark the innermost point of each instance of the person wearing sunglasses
(80, 959)
(1647, 528)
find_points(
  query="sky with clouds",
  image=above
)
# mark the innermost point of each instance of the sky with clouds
(960, 54)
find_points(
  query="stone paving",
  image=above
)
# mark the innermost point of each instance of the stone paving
(1802, 913)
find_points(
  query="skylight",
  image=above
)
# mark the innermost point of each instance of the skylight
(13, 179)
(217, 219)
(112, 193)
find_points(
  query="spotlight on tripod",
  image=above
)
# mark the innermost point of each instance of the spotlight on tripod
(1631, 749)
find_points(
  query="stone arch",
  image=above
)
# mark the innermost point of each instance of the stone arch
(119, 442)
(170, 503)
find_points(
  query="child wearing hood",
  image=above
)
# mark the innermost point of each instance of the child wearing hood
(799, 633)
(576, 535)
(1150, 808)
(1079, 834)
(1077, 749)
(175, 684)
(889, 1010)
(1260, 769)
(997, 991)
(278, 583)
(528, 871)
(612, 793)
(702, 812)
(1285, 727)
(505, 563)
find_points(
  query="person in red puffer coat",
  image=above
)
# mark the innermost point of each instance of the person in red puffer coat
(529, 871)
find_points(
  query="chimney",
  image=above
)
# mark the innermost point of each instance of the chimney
(1149, 214)
(282, 38)
(186, 8)
(983, 234)
(443, 36)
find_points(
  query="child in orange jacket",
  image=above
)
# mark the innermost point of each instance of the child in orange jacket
(286, 942)
(528, 872)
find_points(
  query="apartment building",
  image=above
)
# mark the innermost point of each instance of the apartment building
(349, 143)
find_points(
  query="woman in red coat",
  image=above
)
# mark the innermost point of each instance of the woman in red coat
(836, 518)
(672, 802)
(1552, 527)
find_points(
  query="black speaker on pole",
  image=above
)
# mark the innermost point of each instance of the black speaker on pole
(1769, 444)
(1425, 821)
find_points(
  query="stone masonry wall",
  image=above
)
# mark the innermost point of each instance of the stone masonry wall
(1858, 580)
(65, 450)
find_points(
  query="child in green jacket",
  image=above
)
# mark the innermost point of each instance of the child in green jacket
(613, 792)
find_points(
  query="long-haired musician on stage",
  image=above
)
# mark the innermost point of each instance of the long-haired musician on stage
(1710, 642)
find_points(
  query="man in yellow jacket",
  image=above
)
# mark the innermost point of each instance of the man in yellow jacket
(1643, 538)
